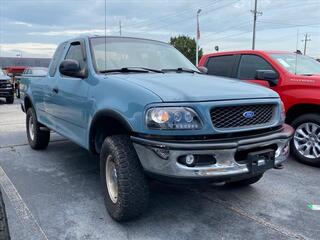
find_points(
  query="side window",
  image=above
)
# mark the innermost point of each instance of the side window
(249, 64)
(75, 53)
(221, 65)
(56, 58)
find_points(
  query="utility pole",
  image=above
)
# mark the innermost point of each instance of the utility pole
(255, 13)
(120, 28)
(197, 38)
(305, 40)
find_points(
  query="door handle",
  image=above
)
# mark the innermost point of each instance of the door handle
(55, 90)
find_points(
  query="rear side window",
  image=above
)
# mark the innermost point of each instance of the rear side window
(221, 65)
(249, 64)
(56, 58)
(75, 53)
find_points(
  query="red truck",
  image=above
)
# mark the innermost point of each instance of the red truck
(295, 77)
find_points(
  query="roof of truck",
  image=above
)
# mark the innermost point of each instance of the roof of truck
(246, 51)
(124, 37)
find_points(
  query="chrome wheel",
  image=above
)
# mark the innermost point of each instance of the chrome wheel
(112, 179)
(307, 140)
(31, 128)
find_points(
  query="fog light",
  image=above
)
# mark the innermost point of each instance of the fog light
(189, 159)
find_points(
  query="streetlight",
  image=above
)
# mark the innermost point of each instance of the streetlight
(198, 37)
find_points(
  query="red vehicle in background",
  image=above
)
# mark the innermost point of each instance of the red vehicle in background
(15, 72)
(295, 77)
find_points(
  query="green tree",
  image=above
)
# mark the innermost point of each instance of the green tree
(187, 46)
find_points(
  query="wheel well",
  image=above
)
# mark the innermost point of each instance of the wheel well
(104, 126)
(301, 109)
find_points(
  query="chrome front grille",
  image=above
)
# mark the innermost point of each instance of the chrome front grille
(241, 116)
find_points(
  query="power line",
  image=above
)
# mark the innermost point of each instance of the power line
(168, 16)
(290, 24)
(209, 10)
(203, 14)
(241, 24)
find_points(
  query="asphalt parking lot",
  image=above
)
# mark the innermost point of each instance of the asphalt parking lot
(55, 194)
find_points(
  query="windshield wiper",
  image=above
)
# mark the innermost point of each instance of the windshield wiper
(132, 69)
(180, 69)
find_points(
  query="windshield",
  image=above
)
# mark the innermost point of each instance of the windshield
(130, 52)
(298, 64)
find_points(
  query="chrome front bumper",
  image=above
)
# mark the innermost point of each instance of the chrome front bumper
(161, 158)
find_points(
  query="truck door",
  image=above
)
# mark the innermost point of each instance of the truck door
(69, 98)
(248, 66)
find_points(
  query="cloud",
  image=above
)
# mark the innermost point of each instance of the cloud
(25, 24)
(69, 33)
(226, 23)
(29, 49)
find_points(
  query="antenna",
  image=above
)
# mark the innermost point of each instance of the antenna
(105, 35)
(297, 43)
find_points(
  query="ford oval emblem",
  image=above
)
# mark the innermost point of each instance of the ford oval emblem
(248, 114)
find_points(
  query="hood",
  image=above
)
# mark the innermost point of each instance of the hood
(185, 87)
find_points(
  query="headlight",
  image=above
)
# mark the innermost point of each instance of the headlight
(9, 85)
(170, 118)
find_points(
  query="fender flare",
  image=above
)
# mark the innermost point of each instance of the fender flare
(107, 113)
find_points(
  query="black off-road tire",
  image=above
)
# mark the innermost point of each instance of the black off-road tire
(244, 182)
(4, 228)
(41, 138)
(133, 188)
(312, 118)
(10, 100)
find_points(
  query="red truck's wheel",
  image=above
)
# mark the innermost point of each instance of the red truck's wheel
(37, 138)
(306, 140)
(125, 187)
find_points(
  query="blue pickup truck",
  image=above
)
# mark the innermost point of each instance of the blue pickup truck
(150, 114)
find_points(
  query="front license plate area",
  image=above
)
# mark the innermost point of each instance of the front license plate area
(260, 161)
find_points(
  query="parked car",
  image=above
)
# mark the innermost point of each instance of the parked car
(35, 72)
(295, 77)
(150, 113)
(6, 87)
(15, 72)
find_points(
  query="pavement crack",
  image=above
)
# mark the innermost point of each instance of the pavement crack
(26, 144)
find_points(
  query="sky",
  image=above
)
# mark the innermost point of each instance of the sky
(33, 28)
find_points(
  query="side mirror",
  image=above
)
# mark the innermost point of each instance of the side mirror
(268, 75)
(203, 70)
(71, 68)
